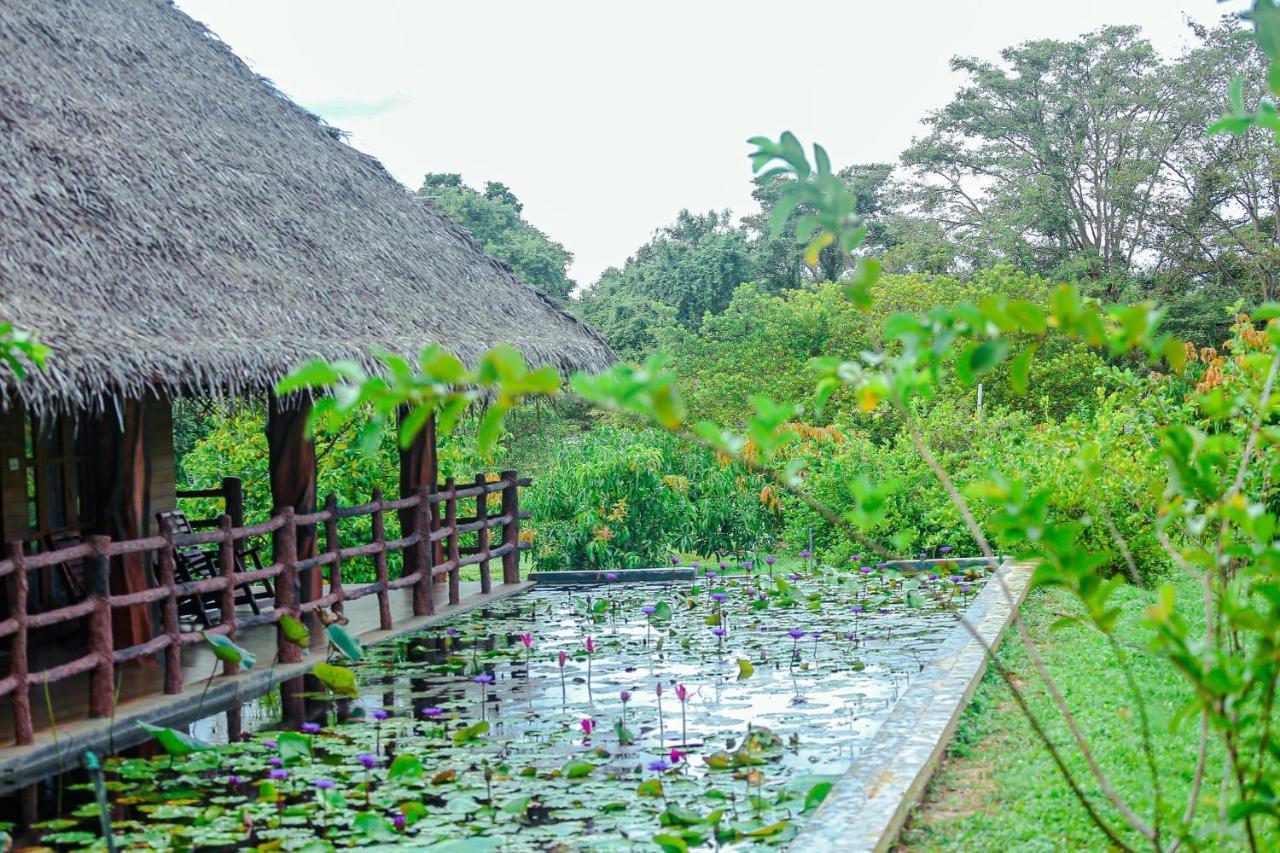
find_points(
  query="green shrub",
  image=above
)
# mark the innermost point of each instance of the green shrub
(620, 498)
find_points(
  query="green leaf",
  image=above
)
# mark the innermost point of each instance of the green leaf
(1020, 369)
(405, 768)
(225, 650)
(294, 631)
(293, 746)
(339, 679)
(816, 795)
(670, 843)
(577, 769)
(471, 733)
(649, 788)
(342, 640)
(174, 742)
(745, 669)
(374, 827)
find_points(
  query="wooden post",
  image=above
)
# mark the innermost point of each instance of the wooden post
(332, 544)
(423, 600)
(286, 553)
(451, 524)
(482, 537)
(292, 699)
(511, 530)
(418, 470)
(227, 598)
(292, 466)
(380, 561)
(169, 612)
(233, 499)
(98, 585)
(129, 513)
(18, 587)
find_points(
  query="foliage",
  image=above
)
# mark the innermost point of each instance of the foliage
(21, 349)
(722, 763)
(495, 218)
(691, 266)
(1212, 506)
(619, 498)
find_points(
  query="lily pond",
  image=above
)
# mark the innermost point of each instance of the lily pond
(713, 713)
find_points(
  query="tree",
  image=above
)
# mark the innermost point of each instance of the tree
(495, 219)
(780, 260)
(691, 266)
(1056, 155)
(1220, 227)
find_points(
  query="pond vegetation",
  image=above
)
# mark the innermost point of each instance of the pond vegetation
(711, 713)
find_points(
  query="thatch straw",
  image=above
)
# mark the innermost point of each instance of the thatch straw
(170, 223)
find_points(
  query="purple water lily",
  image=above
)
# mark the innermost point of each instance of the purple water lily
(659, 766)
(279, 775)
(310, 728)
(611, 576)
(432, 712)
(323, 784)
(719, 596)
(379, 715)
(367, 760)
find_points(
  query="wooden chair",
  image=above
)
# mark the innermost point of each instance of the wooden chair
(193, 563)
(70, 573)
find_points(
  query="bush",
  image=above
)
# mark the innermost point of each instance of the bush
(621, 498)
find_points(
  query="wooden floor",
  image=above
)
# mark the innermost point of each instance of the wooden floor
(141, 684)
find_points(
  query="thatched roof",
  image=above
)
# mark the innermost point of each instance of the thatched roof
(169, 222)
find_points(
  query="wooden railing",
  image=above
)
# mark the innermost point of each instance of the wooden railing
(425, 558)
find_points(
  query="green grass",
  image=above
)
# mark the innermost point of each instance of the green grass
(999, 788)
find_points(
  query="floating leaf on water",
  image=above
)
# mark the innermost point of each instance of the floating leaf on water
(225, 650)
(471, 733)
(670, 843)
(745, 669)
(374, 827)
(405, 768)
(766, 831)
(677, 816)
(517, 805)
(662, 612)
(174, 742)
(444, 777)
(649, 788)
(577, 769)
(816, 795)
(293, 746)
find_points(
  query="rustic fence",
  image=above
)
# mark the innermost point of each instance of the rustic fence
(431, 549)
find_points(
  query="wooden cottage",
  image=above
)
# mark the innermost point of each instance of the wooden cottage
(173, 226)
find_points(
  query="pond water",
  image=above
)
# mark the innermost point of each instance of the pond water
(711, 713)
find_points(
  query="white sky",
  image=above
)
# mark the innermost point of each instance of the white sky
(606, 118)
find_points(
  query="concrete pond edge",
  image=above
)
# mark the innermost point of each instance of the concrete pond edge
(868, 806)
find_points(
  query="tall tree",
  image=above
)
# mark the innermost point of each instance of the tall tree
(1054, 156)
(691, 266)
(495, 218)
(779, 260)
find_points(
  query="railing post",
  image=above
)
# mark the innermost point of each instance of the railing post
(482, 537)
(227, 596)
(169, 612)
(233, 499)
(332, 544)
(287, 582)
(423, 600)
(19, 584)
(451, 524)
(511, 530)
(101, 643)
(380, 561)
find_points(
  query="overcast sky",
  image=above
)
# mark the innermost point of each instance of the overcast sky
(606, 118)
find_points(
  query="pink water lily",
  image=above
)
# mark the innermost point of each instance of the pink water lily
(527, 639)
(587, 725)
(591, 645)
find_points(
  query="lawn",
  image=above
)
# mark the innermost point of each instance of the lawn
(999, 789)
